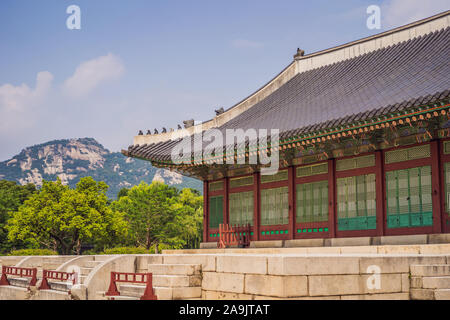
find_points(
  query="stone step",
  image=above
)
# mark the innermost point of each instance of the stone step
(163, 293)
(121, 298)
(422, 294)
(181, 293)
(174, 269)
(81, 279)
(91, 264)
(434, 270)
(85, 271)
(60, 285)
(51, 295)
(137, 290)
(442, 294)
(436, 282)
(101, 258)
(177, 281)
(19, 282)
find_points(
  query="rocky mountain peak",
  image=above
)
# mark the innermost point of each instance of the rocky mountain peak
(72, 159)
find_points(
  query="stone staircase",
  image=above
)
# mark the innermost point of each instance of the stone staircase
(430, 282)
(88, 266)
(170, 282)
(60, 290)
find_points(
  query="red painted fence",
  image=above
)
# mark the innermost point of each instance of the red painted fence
(234, 236)
(146, 278)
(57, 275)
(19, 272)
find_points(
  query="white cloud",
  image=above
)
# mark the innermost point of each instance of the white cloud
(400, 12)
(16, 98)
(18, 103)
(92, 73)
(243, 43)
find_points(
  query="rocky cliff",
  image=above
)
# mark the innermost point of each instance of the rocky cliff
(73, 159)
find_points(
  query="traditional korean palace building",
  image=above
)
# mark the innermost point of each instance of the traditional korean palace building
(364, 146)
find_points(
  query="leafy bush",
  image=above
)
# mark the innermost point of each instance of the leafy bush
(33, 252)
(127, 250)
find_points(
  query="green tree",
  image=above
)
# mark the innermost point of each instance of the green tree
(62, 219)
(122, 193)
(188, 225)
(12, 196)
(149, 212)
(161, 215)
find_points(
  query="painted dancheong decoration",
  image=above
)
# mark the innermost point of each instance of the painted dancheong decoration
(364, 143)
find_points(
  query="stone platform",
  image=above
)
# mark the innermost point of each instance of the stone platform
(388, 271)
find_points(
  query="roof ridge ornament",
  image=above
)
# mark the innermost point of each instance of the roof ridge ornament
(219, 111)
(188, 123)
(300, 53)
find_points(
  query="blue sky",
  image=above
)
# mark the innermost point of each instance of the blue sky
(145, 64)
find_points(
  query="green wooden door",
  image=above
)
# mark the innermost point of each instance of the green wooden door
(409, 198)
(241, 208)
(356, 203)
(274, 206)
(215, 211)
(312, 202)
(447, 194)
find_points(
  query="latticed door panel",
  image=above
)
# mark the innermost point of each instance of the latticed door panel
(356, 202)
(274, 206)
(447, 188)
(409, 198)
(215, 211)
(312, 202)
(241, 208)
(447, 185)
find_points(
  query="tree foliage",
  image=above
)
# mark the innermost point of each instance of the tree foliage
(159, 214)
(62, 219)
(12, 196)
(147, 217)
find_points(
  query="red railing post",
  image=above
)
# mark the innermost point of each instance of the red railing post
(146, 278)
(33, 277)
(56, 275)
(233, 235)
(44, 283)
(4, 279)
(221, 243)
(149, 294)
(112, 291)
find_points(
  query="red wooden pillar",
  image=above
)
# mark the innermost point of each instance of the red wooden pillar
(436, 184)
(256, 206)
(292, 206)
(332, 212)
(226, 202)
(205, 211)
(443, 194)
(380, 193)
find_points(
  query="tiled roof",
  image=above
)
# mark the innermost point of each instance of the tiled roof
(411, 73)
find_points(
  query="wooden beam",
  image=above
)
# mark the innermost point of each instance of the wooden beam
(226, 200)
(256, 206)
(332, 212)
(436, 186)
(380, 193)
(292, 205)
(205, 211)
